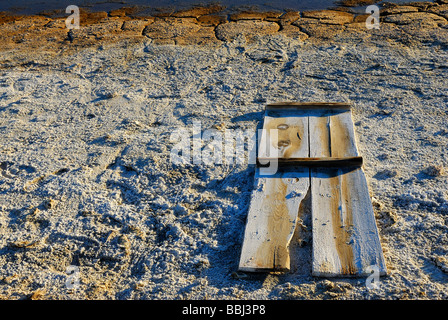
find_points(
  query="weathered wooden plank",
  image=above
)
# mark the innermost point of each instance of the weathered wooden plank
(313, 162)
(345, 235)
(276, 199)
(332, 135)
(291, 138)
(272, 220)
(366, 241)
(319, 135)
(342, 134)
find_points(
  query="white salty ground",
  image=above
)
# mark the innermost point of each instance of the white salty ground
(86, 177)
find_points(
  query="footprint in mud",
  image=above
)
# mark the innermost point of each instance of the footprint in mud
(27, 169)
(31, 185)
(4, 169)
(9, 170)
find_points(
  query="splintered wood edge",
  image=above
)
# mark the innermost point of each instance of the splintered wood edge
(312, 162)
(308, 105)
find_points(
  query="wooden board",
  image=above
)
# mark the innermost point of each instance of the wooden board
(272, 220)
(332, 134)
(345, 235)
(291, 140)
(276, 199)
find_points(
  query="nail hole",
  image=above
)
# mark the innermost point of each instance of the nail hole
(284, 143)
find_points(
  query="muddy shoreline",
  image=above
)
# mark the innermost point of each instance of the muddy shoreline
(414, 23)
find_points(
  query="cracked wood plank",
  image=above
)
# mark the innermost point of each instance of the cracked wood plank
(272, 220)
(276, 199)
(345, 235)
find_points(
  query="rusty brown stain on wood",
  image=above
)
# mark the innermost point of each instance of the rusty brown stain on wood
(289, 136)
(275, 251)
(348, 223)
(324, 136)
(341, 224)
(340, 138)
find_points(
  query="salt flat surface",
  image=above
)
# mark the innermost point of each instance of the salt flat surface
(86, 178)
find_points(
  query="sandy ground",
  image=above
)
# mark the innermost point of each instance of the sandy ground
(86, 178)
